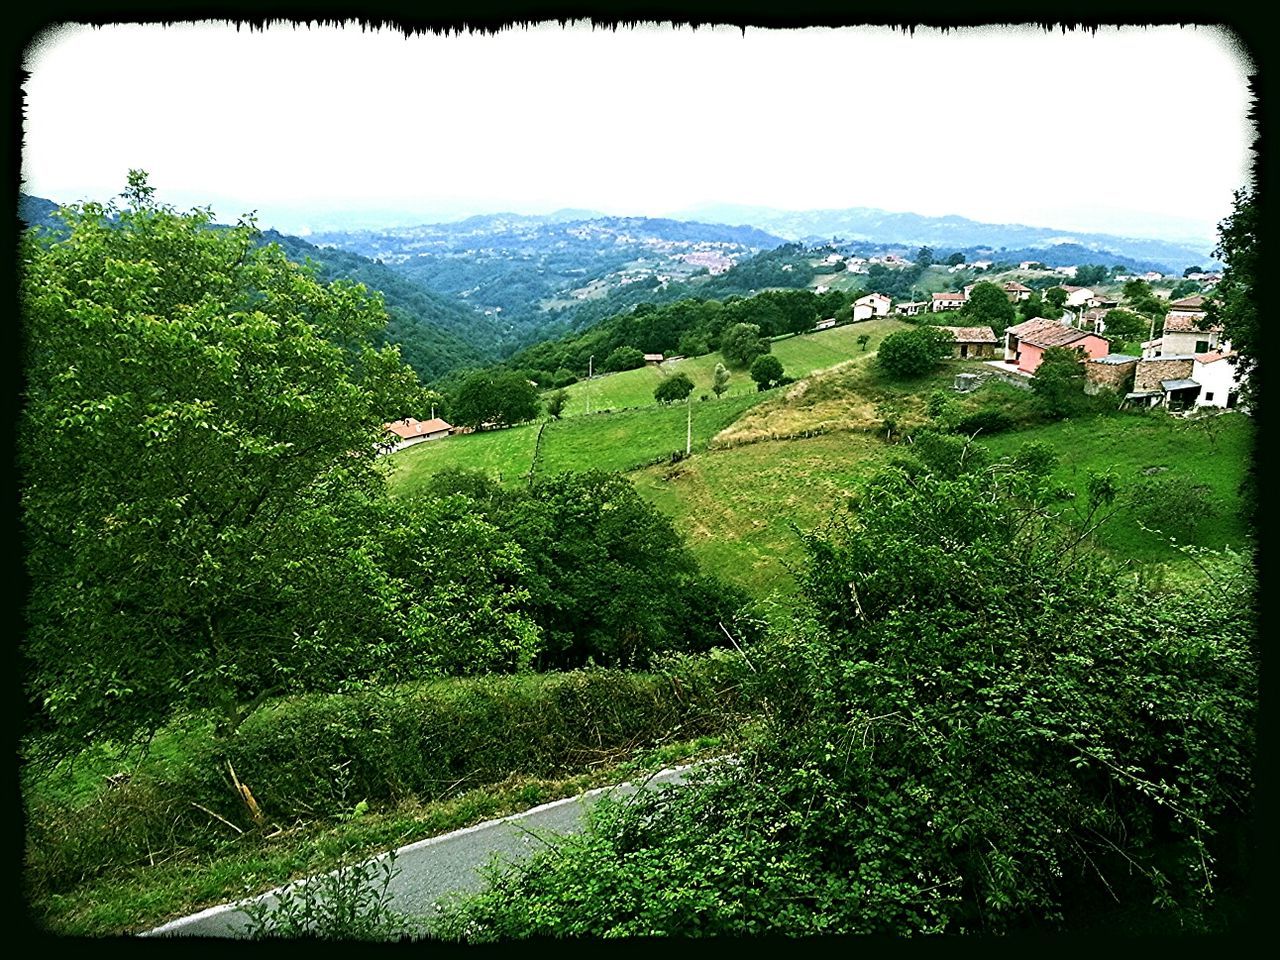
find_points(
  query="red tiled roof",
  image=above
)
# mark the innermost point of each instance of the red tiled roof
(972, 334)
(949, 296)
(1194, 302)
(1015, 287)
(1214, 356)
(1047, 333)
(409, 428)
(1175, 324)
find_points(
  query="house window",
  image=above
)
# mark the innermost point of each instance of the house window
(1208, 396)
(1202, 346)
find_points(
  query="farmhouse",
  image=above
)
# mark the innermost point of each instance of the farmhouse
(409, 431)
(878, 303)
(1181, 336)
(948, 301)
(654, 358)
(1193, 306)
(1219, 379)
(1026, 342)
(826, 324)
(1077, 296)
(972, 342)
(911, 308)
(1016, 291)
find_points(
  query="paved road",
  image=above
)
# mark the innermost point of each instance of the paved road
(431, 869)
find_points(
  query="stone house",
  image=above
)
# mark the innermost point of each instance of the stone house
(972, 342)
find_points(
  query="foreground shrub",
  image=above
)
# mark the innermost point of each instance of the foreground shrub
(974, 731)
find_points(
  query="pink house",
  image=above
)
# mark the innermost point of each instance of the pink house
(1025, 343)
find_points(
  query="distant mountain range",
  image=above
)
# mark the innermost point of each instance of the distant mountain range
(947, 233)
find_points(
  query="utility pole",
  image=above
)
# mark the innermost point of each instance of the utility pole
(590, 364)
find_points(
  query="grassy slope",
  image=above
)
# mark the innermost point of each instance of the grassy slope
(1214, 451)
(736, 507)
(800, 356)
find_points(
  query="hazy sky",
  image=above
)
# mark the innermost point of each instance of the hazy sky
(1135, 130)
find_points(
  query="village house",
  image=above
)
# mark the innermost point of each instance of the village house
(878, 303)
(1030, 265)
(1016, 291)
(948, 301)
(1065, 271)
(972, 342)
(1102, 301)
(1151, 276)
(1193, 306)
(1180, 336)
(981, 264)
(1113, 372)
(410, 431)
(1026, 342)
(826, 324)
(653, 358)
(911, 308)
(1077, 296)
(1219, 379)
(1094, 320)
(1164, 381)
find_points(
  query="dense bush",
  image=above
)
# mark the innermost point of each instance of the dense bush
(312, 756)
(624, 358)
(912, 353)
(985, 422)
(974, 731)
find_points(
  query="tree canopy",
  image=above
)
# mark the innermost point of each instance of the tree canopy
(741, 344)
(988, 306)
(674, 388)
(766, 371)
(496, 398)
(913, 353)
(197, 445)
(1235, 305)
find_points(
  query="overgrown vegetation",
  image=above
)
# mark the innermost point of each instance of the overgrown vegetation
(972, 730)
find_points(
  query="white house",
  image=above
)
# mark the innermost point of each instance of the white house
(1193, 306)
(1029, 265)
(1077, 296)
(1219, 379)
(878, 303)
(911, 308)
(826, 324)
(1065, 271)
(1180, 336)
(947, 301)
(1016, 291)
(410, 431)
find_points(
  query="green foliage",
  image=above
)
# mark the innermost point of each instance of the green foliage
(352, 903)
(975, 732)
(1058, 382)
(766, 371)
(863, 340)
(1090, 274)
(1036, 458)
(985, 421)
(555, 404)
(1171, 506)
(988, 306)
(198, 454)
(1235, 302)
(913, 353)
(945, 455)
(741, 344)
(720, 380)
(315, 757)
(1183, 288)
(955, 259)
(623, 358)
(924, 257)
(1125, 325)
(1055, 297)
(494, 398)
(1033, 306)
(673, 389)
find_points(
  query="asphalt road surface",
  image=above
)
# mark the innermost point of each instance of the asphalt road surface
(431, 870)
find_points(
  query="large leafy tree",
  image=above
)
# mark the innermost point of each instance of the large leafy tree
(741, 344)
(913, 353)
(1234, 304)
(673, 388)
(197, 449)
(988, 305)
(496, 398)
(1058, 382)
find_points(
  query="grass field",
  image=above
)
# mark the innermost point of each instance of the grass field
(621, 440)
(800, 356)
(1213, 452)
(736, 507)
